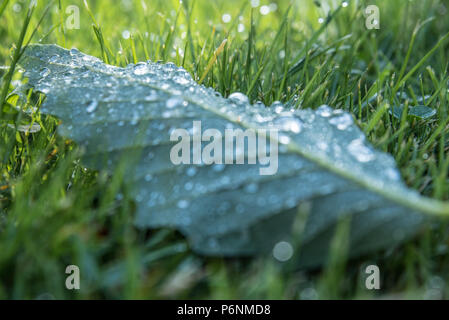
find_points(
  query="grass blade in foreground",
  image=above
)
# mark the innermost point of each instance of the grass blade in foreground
(324, 160)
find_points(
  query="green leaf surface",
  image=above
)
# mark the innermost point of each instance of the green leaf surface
(326, 166)
(420, 112)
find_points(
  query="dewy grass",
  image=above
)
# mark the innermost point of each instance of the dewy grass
(54, 212)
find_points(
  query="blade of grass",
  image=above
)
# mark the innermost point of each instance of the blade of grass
(376, 117)
(16, 58)
(419, 64)
(250, 49)
(410, 47)
(213, 59)
(3, 7)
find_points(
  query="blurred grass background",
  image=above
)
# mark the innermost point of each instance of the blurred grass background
(54, 212)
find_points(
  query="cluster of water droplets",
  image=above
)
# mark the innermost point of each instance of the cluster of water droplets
(175, 94)
(110, 104)
(325, 132)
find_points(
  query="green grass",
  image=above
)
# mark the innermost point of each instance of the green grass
(54, 212)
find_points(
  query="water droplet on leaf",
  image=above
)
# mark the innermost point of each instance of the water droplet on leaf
(324, 111)
(183, 204)
(92, 106)
(360, 151)
(239, 98)
(44, 72)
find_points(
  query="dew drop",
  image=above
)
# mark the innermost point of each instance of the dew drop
(74, 51)
(283, 139)
(183, 204)
(141, 69)
(225, 180)
(170, 65)
(282, 54)
(342, 122)
(218, 167)
(53, 58)
(173, 102)
(278, 107)
(290, 203)
(239, 98)
(360, 151)
(393, 174)
(283, 251)
(45, 90)
(252, 188)
(324, 111)
(322, 145)
(264, 10)
(126, 34)
(17, 7)
(290, 124)
(226, 18)
(181, 80)
(44, 72)
(92, 106)
(260, 104)
(255, 3)
(191, 171)
(188, 186)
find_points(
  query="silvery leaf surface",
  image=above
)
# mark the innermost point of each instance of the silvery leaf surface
(326, 168)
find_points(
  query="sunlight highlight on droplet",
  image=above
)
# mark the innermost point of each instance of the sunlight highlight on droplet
(226, 18)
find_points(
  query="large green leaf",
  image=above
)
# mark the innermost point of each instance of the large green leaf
(325, 164)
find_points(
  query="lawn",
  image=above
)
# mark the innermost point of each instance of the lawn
(55, 212)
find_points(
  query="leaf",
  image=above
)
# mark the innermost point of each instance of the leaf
(27, 128)
(421, 112)
(325, 165)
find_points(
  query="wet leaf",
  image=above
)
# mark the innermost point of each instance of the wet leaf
(27, 128)
(326, 166)
(421, 112)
